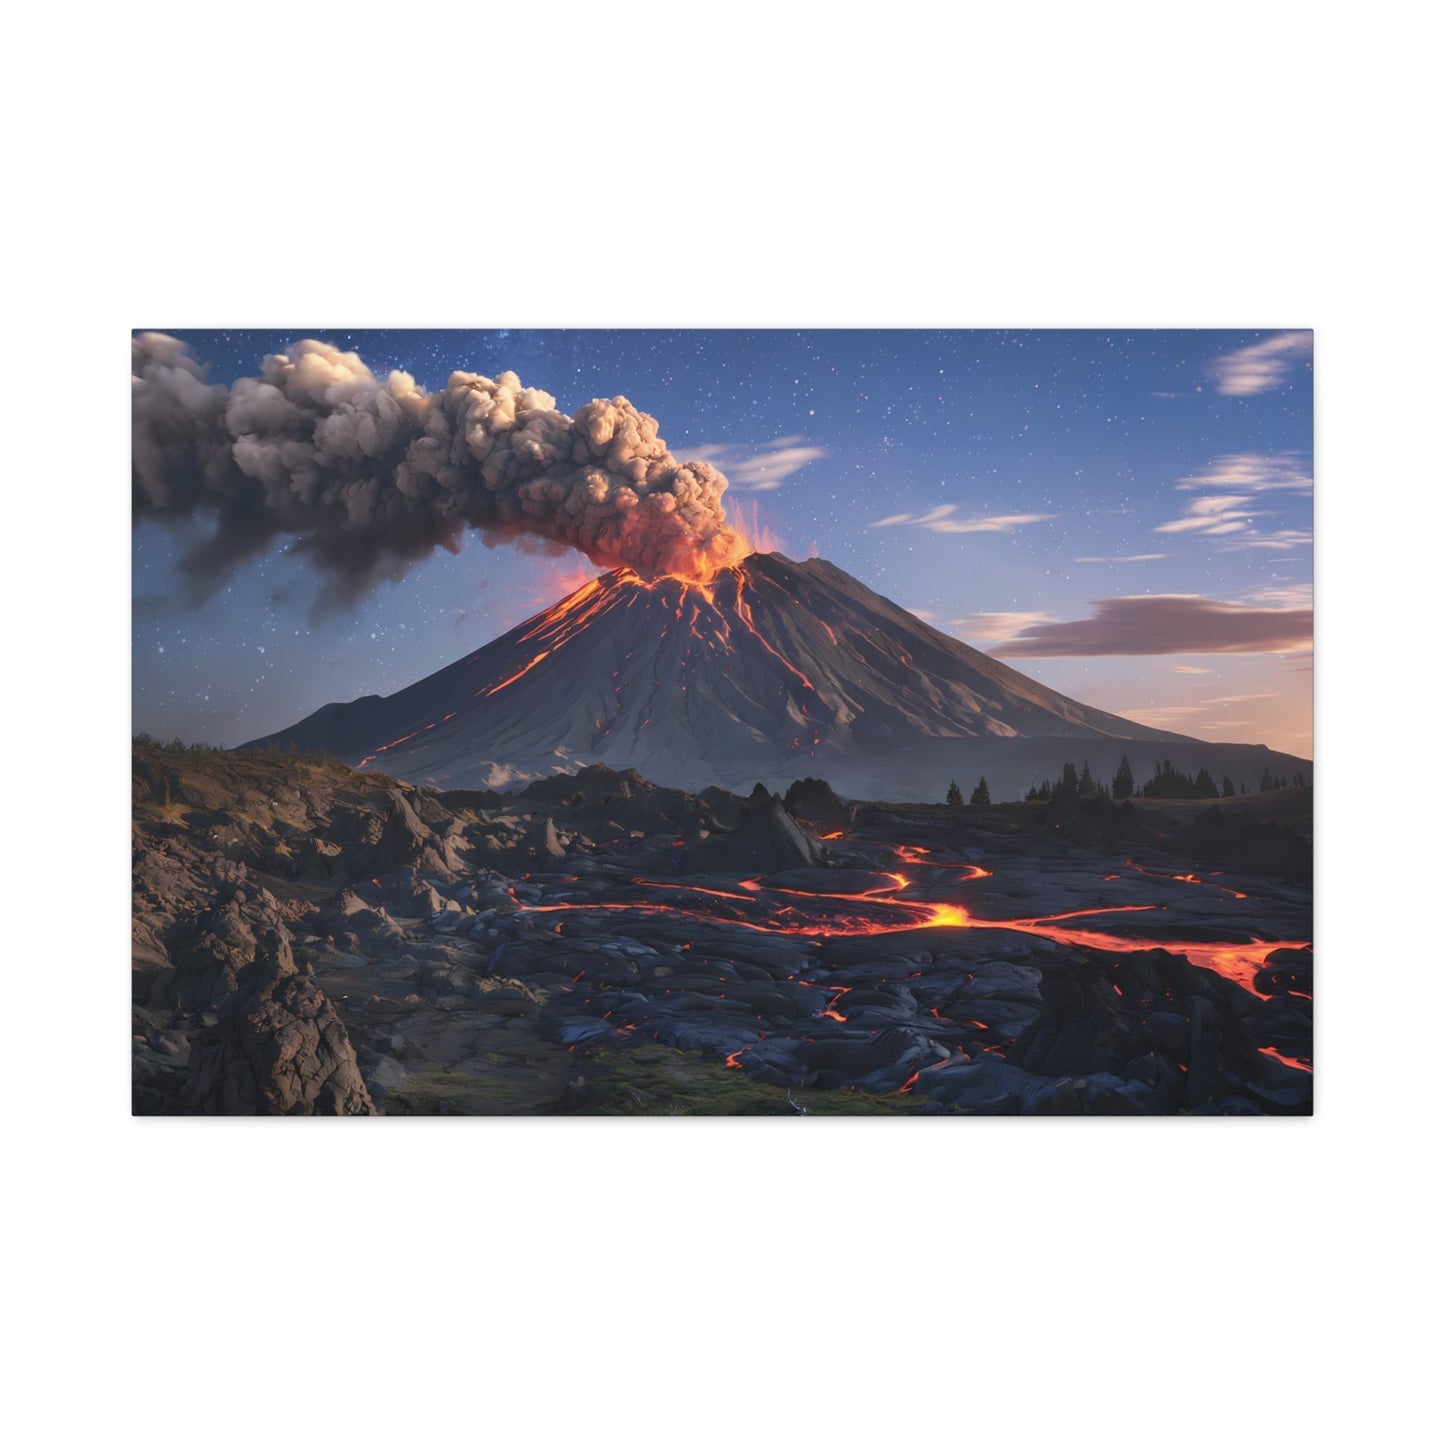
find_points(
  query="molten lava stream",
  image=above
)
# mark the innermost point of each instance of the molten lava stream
(918, 858)
(1180, 878)
(558, 625)
(1285, 1059)
(878, 911)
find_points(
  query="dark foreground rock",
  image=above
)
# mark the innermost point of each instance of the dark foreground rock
(279, 1046)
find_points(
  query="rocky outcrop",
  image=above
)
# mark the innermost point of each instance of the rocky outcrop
(814, 801)
(1189, 1037)
(279, 1046)
(541, 848)
(262, 1037)
(407, 842)
(767, 840)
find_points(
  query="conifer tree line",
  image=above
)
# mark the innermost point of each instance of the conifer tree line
(1167, 782)
(978, 798)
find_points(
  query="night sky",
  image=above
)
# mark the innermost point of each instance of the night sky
(1125, 516)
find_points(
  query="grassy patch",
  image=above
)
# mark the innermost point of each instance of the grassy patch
(651, 1079)
(435, 1089)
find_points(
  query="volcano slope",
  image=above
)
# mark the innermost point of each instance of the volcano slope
(772, 669)
(313, 939)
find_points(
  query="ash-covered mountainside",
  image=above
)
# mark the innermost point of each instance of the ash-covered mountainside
(771, 668)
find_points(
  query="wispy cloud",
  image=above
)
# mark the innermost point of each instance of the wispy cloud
(756, 469)
(1185, 713)
(1263, 366)
(941, 519)
(1138, 557)
(1213, 516)
(1253, 472)
(1284, 540)
(1203, 671)
(1293, 594)
(1139, 626)
(1239, 480)
(998, 626)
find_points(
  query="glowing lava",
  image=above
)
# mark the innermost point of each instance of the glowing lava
(1285, 1059)
(1179, 878)
(881, 910)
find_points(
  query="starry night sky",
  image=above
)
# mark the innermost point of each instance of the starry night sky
(998, 484)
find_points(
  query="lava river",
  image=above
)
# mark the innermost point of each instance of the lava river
(884, 909)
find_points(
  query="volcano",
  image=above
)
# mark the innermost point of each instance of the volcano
(770, 671)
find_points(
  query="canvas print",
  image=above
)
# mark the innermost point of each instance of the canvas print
(675, 723)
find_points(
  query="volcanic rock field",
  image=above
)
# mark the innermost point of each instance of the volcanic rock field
(313, 939)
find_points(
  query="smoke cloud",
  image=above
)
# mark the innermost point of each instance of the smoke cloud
(370, 475)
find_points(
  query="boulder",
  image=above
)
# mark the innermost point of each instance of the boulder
(767, 840)
(406, 841)
(278, 1045)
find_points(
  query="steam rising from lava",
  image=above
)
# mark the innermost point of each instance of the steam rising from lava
(370, 475)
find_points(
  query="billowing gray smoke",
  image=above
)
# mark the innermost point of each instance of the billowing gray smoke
(368, 476)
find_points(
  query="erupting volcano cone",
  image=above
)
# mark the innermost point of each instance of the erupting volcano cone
(772, 670)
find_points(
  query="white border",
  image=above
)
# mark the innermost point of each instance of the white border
(1106, 165)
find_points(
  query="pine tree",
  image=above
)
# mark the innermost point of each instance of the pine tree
(1032, 796)
(1087, 788)
(1123, 780)
(1226, 788)
(1068, 785)
(1204, 784)
(980, 796)
(955, 796)
(1168, 782)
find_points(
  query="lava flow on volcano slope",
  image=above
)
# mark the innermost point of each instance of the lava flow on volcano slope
(754, 669)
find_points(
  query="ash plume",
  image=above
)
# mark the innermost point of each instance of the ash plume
(369, 475)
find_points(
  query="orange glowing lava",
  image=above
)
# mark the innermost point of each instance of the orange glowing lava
(1178, 878)
(712, 598)
(1285, 1059)
(881, 910)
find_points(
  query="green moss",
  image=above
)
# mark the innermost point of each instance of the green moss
(650, 1079)
(435, 1085)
